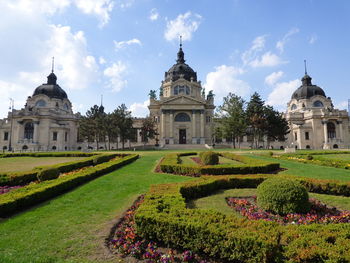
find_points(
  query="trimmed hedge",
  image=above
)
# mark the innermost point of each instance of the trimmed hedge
(48, 174)
(172, 164)
(163, 217)
(32, 194)
(25, 177)
(209, 158)
(48, 154)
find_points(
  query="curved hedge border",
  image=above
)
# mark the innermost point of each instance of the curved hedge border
(315, 157)
(163, 216)
(24, 197)
(172, 164)
(25, 177)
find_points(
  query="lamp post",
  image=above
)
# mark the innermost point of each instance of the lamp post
(10, 138)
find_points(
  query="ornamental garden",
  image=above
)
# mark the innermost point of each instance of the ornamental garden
(167, 206)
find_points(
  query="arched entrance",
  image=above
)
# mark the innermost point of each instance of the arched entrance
(335, 146)
(331, 130)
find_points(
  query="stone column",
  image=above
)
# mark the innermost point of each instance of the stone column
(36, 132)
(194, 139)
(202, 127)
(171, 126)
(325, 134)
(341, 131)
(162, 120)
(139, 139)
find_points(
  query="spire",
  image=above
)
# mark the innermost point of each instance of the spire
(53, 64)
(180, 54)
(52, 79)
(306, 80)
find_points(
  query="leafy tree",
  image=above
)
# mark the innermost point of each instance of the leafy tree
(124, 123)
(256, 118)
(277, 126)
(147, 129)
(233, 118)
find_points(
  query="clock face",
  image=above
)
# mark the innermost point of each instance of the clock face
(182, 89)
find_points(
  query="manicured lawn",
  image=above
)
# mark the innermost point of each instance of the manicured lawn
(15, 164)
(308, 170)
(343, 157)
(217, 201)
(72, 227)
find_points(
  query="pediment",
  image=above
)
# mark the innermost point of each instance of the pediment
(182, 100)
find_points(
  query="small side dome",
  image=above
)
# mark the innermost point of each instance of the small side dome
(51, 88)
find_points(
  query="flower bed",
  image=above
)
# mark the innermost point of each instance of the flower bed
(127, 242)
(163, 217)
(6, 189)
(319, 213)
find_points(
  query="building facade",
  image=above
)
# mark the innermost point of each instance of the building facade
(183, 113)
(45, 123)
(314, 122)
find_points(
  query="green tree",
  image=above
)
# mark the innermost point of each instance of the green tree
(232, 117)
(256, 118)
(124, 123)
(277, 126)
(148, 129)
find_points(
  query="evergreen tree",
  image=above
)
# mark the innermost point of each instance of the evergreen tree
(147, 129)
(256, 118)
(277, 126)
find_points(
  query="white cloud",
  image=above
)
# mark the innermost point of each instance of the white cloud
(224, 80)
(115, 74)
(273, 78)
(258, 45)
(268, 59)
(282, 93)
(313, 38)
(281, 43)
(99, 8)
(122, 44)
(102, 60)
(139, 109)
(154, 15)
(184, 25)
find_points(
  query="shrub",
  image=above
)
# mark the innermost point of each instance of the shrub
(283, 196)
(209, 158)
(270, 153)
(309, 157)
(48, 174)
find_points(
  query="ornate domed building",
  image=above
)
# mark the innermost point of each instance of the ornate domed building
(314, 122)
(183, 114)
(45, 123)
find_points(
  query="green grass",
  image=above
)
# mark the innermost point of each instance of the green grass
(343, 157)
(217, 201)
(72, 227)
(16, 164)
(308, 170)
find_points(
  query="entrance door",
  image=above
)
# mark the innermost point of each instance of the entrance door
(182, 136)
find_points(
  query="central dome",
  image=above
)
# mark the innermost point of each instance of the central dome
(51, 88)
(180, 69)
(307, 90)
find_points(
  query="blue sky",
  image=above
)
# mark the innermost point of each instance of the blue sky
(121, 48)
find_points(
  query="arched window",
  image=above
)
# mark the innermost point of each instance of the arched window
(318, 104)
(335, 146)
(294, 107)
(182, 117)
(307, 146)
(28, 130)
(65, 106)
(54, 147)
(40, 103)
(331, 130)
(24, 147)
